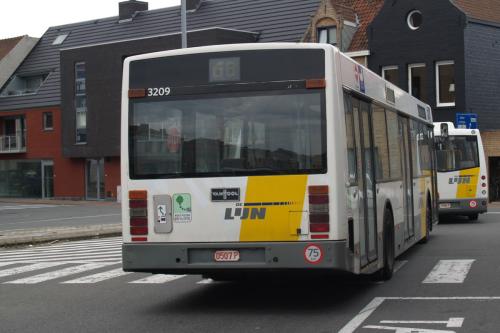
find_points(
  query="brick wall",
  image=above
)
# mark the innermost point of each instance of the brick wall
(69, 174)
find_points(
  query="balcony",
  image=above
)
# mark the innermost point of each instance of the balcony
(11, 144)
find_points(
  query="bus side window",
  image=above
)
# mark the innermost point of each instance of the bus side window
(351, 141)
(394, 145)
(381, 151)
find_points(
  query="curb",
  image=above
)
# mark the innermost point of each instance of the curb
(33, 236)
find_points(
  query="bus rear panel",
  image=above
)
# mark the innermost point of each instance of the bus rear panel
(227, 164)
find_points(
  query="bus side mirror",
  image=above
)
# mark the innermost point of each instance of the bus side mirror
(444, 130)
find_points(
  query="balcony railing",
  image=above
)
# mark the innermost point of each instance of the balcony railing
(13, 143)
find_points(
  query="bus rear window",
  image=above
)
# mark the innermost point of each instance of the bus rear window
(457, 153)
(241, 135)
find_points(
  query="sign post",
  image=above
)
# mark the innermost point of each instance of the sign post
(466, 120)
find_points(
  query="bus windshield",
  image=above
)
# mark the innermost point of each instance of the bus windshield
(457, 152)
(278, 132)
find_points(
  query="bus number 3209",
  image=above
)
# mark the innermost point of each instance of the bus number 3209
(159, 91)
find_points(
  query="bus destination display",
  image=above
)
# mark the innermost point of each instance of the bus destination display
(224, 69)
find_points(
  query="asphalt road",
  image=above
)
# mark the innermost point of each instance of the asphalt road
(448, 285)
(26, 216)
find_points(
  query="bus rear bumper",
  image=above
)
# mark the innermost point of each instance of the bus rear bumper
(198, 258)
(463, 206)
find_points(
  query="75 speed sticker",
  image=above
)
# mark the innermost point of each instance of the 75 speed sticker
(313, 254)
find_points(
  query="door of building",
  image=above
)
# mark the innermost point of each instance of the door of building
(95, 179)
(47, 179)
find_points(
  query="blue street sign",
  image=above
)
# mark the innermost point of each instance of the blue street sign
(466, 120)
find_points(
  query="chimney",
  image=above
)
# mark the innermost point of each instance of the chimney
(127, 9)
(193, 5)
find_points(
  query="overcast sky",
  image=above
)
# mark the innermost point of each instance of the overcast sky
(34, 17)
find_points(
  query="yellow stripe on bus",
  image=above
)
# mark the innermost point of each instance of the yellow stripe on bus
(280, 196)
(467, 188)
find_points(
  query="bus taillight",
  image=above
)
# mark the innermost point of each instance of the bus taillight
(138, 204)
(319, 217)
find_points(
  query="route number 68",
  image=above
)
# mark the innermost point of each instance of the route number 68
(153, 92)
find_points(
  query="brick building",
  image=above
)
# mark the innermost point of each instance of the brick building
(72, 110)
(446, 53)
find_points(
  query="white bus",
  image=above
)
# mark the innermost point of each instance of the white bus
(256, 157)
(462, 173)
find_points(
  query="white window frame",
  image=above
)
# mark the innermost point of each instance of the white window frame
(443, 63)
(410, 67)
(388, 68)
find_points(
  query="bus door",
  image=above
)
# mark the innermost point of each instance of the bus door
(407, 177)
(366, 172)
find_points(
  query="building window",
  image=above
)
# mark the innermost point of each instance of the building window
(414, 19)
(445, 83)
(23, 85)
(60, 39)
(327, 35)
(80, 103)
(391, 74)
(417, 79)
(48, 121)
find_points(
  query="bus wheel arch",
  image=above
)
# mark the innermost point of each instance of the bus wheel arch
(388, 245)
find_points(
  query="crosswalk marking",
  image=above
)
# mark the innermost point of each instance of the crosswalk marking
(114, 273)
(159, 278)
(59, 273)
(28, 268)
(449, 271)
(59, 254)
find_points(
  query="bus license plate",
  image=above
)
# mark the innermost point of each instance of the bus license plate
(445, 205)
(227, 255)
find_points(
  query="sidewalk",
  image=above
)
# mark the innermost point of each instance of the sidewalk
(71, 220)
(24, 201)
(43, 235)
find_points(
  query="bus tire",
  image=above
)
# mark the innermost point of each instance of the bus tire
(385, 273)
(473, 217)
(428, 222)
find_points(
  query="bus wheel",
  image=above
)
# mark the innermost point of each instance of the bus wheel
(386, 272)
(473, 217)
(428, 223)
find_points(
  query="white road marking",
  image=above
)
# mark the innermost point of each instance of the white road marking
(100, 276)
(452, 322)
(406, 329)
(61, 219)
(351, 326)
(71, 258)
(449, 271)
(60, 255)
(399, 264)
(205, 281)
(29, 268)
(6, 263)
(58, 250)
(18, 207)
(60, 273)
(159, 278)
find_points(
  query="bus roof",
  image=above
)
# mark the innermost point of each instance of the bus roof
(354, 77)
(452, 130)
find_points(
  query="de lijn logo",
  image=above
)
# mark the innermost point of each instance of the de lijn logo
(245, 213)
